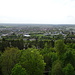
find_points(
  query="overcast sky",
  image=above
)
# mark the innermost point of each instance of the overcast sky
(37, 11)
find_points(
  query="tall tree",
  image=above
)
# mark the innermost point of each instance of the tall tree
(60, 47)
(32, 61)
(57, 68)
(8, 59)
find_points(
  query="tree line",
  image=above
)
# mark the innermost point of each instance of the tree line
(39, 58)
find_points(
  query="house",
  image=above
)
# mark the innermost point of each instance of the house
(26, 35)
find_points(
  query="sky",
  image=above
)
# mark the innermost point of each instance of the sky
(37, 11)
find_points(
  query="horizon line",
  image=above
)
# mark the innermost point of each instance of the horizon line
(39, 23)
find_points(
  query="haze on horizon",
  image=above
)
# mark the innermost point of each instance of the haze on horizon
(37, 11)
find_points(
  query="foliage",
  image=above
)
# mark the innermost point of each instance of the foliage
(69, 70)
(49, 58)
(18, 70)
(18, 43)
(32, 61)
(69, 57)
(40, 56)
(57, 68)
(60, 47)
(8, 59)
(0, 64)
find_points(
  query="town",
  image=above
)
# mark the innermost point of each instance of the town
(42, 31)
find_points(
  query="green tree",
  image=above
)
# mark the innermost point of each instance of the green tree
(18, 70)
(9, 58)
(60, 47)
(4, 44)
(0, 64)
(49, 58)
(18, 43)
(69, 57)
(69, 70)
(57, 68)
(32, 61)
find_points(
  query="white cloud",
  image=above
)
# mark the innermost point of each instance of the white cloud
(37, 11)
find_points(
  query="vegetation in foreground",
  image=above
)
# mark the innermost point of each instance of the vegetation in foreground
(38, 58)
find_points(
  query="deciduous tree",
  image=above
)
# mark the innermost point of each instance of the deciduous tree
(18, 70)
(8, 59)
(33, 62)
